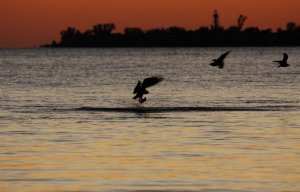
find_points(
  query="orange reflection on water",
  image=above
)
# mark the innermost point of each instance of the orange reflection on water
(195, 151)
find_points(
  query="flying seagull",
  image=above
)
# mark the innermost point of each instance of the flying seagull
(140, 88)
(220, 61)
(283, 63)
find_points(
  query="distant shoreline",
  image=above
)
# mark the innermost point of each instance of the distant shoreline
(117, 47)
(144, 47)
(102, 36)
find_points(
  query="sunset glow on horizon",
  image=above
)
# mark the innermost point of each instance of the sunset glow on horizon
(30, 23)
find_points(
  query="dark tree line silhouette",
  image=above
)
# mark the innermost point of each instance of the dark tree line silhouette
(102, 35)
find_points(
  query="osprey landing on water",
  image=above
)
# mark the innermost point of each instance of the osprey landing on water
(140, 88)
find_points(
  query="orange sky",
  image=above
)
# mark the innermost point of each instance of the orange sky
(29, 23)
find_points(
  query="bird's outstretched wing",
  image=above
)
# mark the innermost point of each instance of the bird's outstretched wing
(223, 56)
(285, 57)
(136, 88)
(150, 81)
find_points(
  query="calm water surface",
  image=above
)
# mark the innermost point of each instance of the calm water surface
(201, 129)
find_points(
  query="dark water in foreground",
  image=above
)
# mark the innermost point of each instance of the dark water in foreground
(68, 123)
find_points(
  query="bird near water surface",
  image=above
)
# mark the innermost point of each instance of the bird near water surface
(220, 61)
(140, 88)
(283, 62)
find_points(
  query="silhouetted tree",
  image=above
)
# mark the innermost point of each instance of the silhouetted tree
(54, 43)
(103, 29)
(70, 37)
(102, 33)
(203, 30)
(88, 38)
(241, 21)
(133, 36)
(252, 30)
(176, 30)
(133, 31)
(279, 30)
(291, 27)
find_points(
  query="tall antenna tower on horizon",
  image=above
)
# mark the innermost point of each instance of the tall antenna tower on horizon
(216, 24)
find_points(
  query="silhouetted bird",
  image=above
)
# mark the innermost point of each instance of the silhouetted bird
(220, 61)
(140, 88)
(283, 63)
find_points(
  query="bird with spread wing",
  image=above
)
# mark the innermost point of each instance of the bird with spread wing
(283, 62)
(220, 61)
(140, 88)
